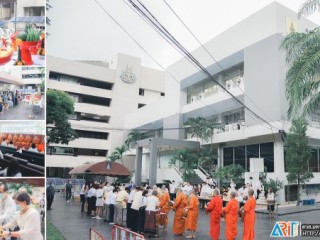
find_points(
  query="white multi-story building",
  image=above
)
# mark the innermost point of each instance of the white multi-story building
(251, 66)
(103, 94)
(31, 77)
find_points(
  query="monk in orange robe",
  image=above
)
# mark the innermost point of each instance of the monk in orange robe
(179, 222)
(215, 209)
(231, 211)
(193, 212)
(164, 208)
(249, 217)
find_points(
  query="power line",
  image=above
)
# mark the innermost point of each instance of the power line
(166, 35)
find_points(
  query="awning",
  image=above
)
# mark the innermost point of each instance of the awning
(29, 19)
(105, 168)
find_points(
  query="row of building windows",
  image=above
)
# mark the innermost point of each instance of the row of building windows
(242, 154)
(314, 162)
(89, 117)
(91, 134)
(82, 98)
(28, 76)
(76, 151)
(80, 81)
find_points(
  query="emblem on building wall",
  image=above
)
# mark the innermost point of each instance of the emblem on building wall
(128, 75)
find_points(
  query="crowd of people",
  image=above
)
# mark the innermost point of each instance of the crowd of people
(18, 217)
(9, 99)
(145, 209)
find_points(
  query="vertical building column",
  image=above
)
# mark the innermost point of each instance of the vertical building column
(279, 167)
(220, 161)
(153, 164)
(138, 166)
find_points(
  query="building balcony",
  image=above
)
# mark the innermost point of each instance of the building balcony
(90, 125)
(71, 161)
(90, 143)
(91, 108)
(77, 88)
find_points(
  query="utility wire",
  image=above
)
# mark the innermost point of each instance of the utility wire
(214, 59)
(165, 34)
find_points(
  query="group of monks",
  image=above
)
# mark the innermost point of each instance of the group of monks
(231, 212)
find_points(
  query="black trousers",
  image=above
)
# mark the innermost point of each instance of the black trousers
(89, 205)
(68, 195)
(129, 215)
(83, 201)
(93, 203)
(49, 201)
(135, 220)
(142, 214)
(111, 215)
(172, 196)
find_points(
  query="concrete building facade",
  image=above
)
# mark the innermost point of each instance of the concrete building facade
(251, 66)
(103, 94)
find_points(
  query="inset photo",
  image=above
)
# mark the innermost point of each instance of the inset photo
(22, 212)
(22, 93)
(22, 32)
(22, 149)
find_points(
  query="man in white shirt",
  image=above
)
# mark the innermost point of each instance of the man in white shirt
(136, 202)
(129, 203)
(4, 143)
(7, 205)
(172, 188)
(122, 196)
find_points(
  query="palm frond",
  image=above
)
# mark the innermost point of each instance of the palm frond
(309, 7)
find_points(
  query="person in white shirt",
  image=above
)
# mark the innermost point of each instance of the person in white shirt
(27, 219)
(7, 205)
(83, 196)
(271, 200)
(13, 170)
(91, 200)
(136, 203)
(142, 212)
(150, 215)
(106, 191)
(99, 201)
(121, 197)
(33, 148)
(129, 203)
(112, 200)
(11, 144)
(4, 143)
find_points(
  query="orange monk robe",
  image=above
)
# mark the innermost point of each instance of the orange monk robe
(164, 208)
(231, 211)
(249, 219)
(215, 209)
(192, 219)
(179, 222)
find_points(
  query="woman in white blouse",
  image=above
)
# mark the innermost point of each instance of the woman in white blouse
(150, 226)
(271, 202)
(27, 219)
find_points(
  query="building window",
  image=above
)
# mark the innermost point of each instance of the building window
(314, 163)
(227, 156)
(267, 153)
(140, 105)
(240, 156)
(91, 134)
(162, 94)
(54, 76)
(141, 91)
(60, 151)
(91, 152)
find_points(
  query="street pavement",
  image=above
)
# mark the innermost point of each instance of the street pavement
(75, 225)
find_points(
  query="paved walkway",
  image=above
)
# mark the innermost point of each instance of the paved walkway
(75, 226)
(21, 112)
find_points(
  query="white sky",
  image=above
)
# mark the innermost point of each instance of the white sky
(80, 30)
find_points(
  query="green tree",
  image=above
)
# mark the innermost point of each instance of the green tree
(120, 151)
(199, 127)
(298, 154)
(114, 157)
(59, 107)
(274, 184)
(234, 172)
(208, 159)
(303, 60)
(133, 137)
(188, 161)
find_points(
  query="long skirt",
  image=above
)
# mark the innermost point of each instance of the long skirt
(150, 225)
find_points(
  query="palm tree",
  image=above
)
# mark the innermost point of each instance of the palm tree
(198, 127)
(303, 59)
(133, 137)
(309, 7)
(120, 151)
(114, 157)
